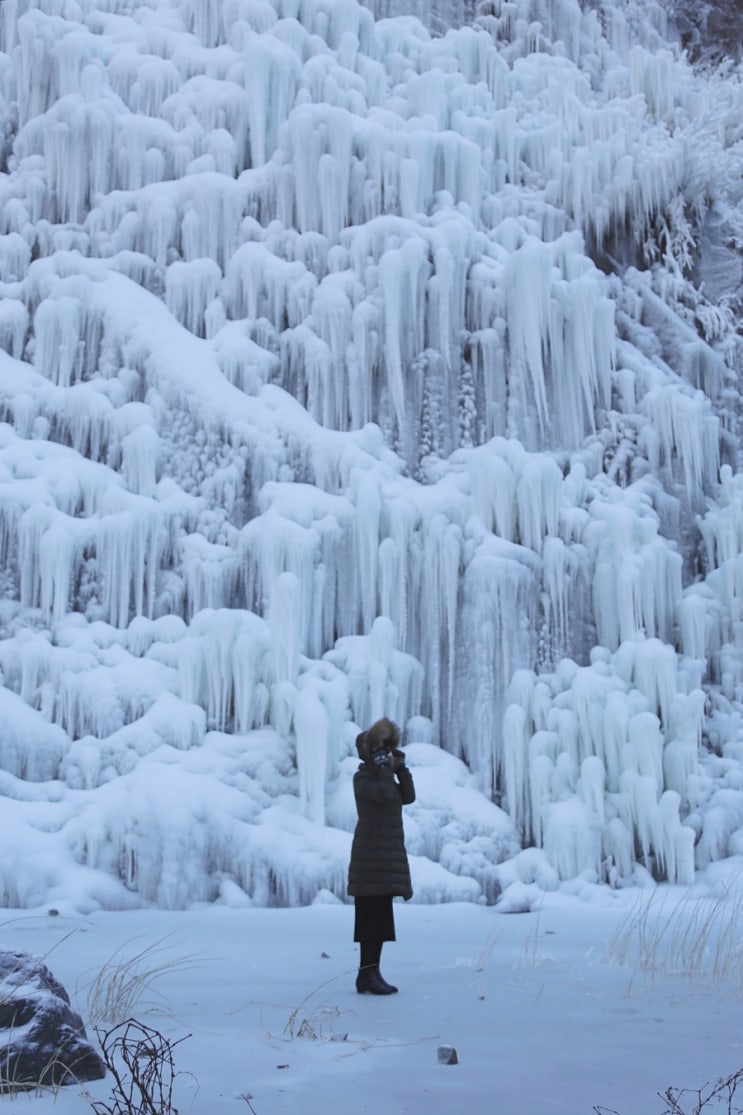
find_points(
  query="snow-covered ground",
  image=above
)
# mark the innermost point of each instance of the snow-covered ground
(348, 369)
(548, 1011)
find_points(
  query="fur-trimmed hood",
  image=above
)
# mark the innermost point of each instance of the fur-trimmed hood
(383, 733)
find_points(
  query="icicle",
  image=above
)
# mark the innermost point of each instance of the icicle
(572, 839)
(31, 748)
(666, 839)
(244, 363)
(366, 531)
(652, 76)
(79, 136)
(515, 755)
(224, 151)
(31, 526)
(251, 654)
(15, 256)
(130, 544)
(538, 495)
(589, 692)
(497, 588)
(526, 279)
(140, 458)
(270, 74)
(394, 571)
(540, 793)
(557, 583)
(286, 616)
(58, 328)
(637, 577)
(382, 681)
(565, 778)
(142, 633)
(259, 284)
(493, 487)
(402, 276)
(204, 19)
(682, 423)
(311, 726)
(59, 552)
(189, 289)
(643, 795)
(332, 317)
(651, 666)
(14, 321)
(616, 724)
(439, 586)
(644, 750)
(593, 785)
(382, 644)
(210, 573)
(618, 847)
(681, 752)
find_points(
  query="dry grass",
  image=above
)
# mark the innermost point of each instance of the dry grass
(13, 1082)
(126, 983)
(482, 960)
(666, 935)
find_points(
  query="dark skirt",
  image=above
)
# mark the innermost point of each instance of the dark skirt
(375, 919)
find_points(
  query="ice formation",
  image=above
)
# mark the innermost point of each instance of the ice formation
(361, 361)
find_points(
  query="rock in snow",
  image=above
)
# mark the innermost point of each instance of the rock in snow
(447, 1055)
(42, 1040)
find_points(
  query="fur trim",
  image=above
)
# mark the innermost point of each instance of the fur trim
(383, 733)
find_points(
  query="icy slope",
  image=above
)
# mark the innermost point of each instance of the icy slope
(353, 370)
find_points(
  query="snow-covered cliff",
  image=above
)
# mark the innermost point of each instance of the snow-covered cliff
(354, 366)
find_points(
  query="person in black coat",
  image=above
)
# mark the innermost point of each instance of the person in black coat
(379, 868)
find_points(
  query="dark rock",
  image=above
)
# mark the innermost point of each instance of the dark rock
(42, 1040)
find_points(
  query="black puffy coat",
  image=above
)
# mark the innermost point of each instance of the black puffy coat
(379, 863)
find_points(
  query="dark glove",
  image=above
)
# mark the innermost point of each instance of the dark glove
(398, 760)
(381, 758)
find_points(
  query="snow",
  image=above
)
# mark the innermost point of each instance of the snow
(550, 1002)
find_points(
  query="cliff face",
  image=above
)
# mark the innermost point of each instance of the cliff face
(354, 367)
(711, 31)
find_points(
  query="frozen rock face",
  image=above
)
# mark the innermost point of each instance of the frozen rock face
(711, 31)
(43, 1040)
(353, 368)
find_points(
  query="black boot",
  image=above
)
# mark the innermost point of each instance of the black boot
(391, 989)
(370, 982)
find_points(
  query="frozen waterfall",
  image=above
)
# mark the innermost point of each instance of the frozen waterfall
(358, 361)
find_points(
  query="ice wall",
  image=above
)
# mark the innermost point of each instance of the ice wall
(351, 366)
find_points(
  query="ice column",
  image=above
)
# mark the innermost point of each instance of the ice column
(130, 544)
(311, 728)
